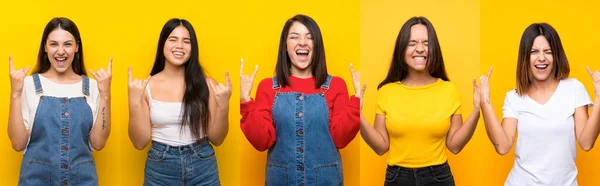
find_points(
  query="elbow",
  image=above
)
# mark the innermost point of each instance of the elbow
(18, 147)
(455, 151)
(586, 147)
(217, 142)
(381, 152)
(99, 146)
(139, 146)
(502, 151)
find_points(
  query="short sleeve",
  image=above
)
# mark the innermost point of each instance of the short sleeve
(507, 109)
(582, 98)
(381, 100)
(94, 102)
(456, 101)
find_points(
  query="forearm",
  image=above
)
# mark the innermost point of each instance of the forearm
(462, 136)
(17, 132)
(494, 130)
(589, 134)
(101, 131)
(139, 126)
(218, 129)
(372, 137)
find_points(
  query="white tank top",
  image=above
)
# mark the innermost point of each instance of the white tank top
(166, 119)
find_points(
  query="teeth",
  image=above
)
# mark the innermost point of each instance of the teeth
(178, 53)
(541, 66)
(60, 59)
(419, 58)
(302, 51)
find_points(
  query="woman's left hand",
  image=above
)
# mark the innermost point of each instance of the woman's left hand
(222, 92)
(103, 78)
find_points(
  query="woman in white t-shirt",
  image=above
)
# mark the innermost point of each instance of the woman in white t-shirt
(548, 109)
(58, 115)
(180, 110)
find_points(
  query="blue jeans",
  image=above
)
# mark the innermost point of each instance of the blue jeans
(437, 175)
(193, 164)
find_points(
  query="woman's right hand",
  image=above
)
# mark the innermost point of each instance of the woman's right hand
(359, 92)
(136, 89)
(246, 83)
(16, 78)
(484, 87)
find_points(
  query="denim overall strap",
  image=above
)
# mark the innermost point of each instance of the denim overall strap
(85, 81)
(38, 85)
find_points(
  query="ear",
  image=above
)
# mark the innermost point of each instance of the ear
(77, 47)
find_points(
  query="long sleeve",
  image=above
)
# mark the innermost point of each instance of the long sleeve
(345, 120)
(257, 121)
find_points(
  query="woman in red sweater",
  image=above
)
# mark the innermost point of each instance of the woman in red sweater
(302, 115)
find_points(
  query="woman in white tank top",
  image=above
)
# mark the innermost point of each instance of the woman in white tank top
(180, 110)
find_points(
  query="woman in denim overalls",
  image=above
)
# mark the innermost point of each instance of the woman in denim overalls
(58, 115)
(180, 110)
(306, 110)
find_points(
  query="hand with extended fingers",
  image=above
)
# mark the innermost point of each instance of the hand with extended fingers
(356, 84)
(16, 77)
(596, 77)
(484, 88)
(246, 82)
(103, 78)
(136, 88)
(222, 91)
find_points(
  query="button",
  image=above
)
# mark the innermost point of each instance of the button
(64, 100)
(63, 183)
(300, 150)
(300, 114)
(64, 148)
(301, 97)
(65, 131)
(64, 166)
(300, 132)
(66, 113)
(300, 168)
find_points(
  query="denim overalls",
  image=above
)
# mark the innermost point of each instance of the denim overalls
(304, 152)
(58, 152)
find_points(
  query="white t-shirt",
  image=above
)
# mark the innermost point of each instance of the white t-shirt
(30, 100)
(166, 119)
(546, 144)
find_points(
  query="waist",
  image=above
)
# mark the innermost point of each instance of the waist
(433, 168)
(179, 148)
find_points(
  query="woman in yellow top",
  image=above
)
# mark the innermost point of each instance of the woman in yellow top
(418, 112)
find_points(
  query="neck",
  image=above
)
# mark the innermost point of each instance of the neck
(418, 78)
(306, 73)
(545, 85)
(171, 71)
(61, 77)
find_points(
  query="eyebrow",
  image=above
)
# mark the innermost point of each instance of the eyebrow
(299, 33)
(53, 41)
(175, 37)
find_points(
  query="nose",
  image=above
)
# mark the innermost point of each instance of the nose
(303, 41)
(61, 50)
(420, 48)
(179, 45)
(541, 57)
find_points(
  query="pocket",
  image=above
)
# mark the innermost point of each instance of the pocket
(276, 175)
(442, 173)
(156, 155)
(204, 152)
(36, 173)
(390, 174)
(328, 174)
(86, 173)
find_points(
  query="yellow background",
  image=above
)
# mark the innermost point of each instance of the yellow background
(128, 31)
(502, 24)
(260, 32)
(457, 27)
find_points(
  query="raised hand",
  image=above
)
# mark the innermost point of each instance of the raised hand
(222, 92)
(136, 88)
(356, 84)
(596, 77)
(476, 94)
(246, 82)
(484, 87)
(16, 77)
(103, 78)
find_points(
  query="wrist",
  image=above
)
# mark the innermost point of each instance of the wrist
(15, 95)
(244, 99)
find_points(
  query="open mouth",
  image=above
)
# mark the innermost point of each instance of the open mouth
(61, 61)
(302, 54)
(541, 66)
(178, 54)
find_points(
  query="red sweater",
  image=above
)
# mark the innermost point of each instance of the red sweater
(257, 121)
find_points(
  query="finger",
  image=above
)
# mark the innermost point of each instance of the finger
(490, 72)
(129, 73)
(227, 80)
(93, 74)
(10, 64)
(255, 71)
(351, 69)
(145, 82)
(589, 70)
(26, 70)
(101, 73)
(474, 82)
(241, 66)
(363, 89)
(110, 65)
(211, 85)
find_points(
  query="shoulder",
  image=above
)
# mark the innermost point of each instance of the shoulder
(337, 81)
(448, 85)
(512, 95)
(572, 83)
(266, 83)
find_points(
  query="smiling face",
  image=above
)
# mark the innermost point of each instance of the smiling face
(418, 48)
(61, 47)
(299, 46)
(178, 46)
(541, 61)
